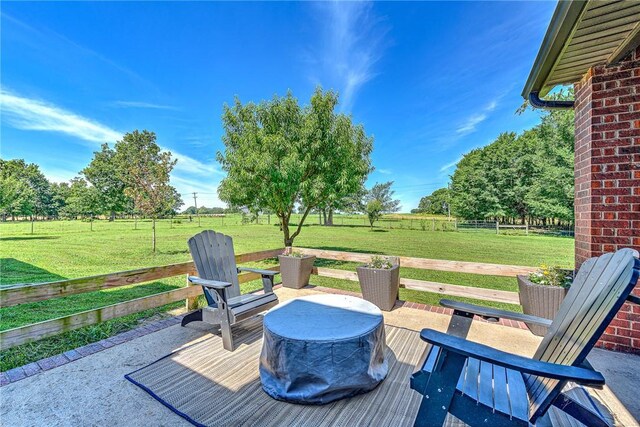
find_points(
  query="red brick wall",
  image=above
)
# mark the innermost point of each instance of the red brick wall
(607, 177)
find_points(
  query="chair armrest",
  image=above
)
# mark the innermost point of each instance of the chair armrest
(259, 271)
(209, 283)
(488, 312)
(512, 361)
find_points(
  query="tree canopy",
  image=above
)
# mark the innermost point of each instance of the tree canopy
(279, 154)
(144, 169)
(524, 177)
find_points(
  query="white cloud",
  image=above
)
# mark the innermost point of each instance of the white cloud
(450, 165)
(384, 171)
(141, 104)
(31, 114)
(471, 124)
(207, 191)
(353, 44)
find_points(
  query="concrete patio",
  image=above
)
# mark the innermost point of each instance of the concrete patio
(93, 391)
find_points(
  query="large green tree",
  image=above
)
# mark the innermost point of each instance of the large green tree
(279, 154)
(102, 174)
(145, 168)
(32, 195)
(520, 177)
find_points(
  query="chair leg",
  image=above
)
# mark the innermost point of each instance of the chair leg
(194, 316)
(227, 337)
(440, 389)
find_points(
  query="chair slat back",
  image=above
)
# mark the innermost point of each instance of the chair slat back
(215, 259)
(597, 293)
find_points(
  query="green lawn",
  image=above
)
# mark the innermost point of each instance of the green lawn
(65, 249)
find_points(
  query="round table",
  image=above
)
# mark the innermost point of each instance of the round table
(321, 348)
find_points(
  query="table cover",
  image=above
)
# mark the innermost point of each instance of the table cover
(320, 348)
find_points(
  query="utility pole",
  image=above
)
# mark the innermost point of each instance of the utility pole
(195, 203)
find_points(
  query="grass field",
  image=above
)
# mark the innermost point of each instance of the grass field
(65, 249)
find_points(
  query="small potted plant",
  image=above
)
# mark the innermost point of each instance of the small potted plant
(380, 281)
(542, 292)
(295, 269)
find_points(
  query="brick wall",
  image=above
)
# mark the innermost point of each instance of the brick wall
(607, 177)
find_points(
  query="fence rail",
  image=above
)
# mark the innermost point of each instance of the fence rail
(25, 293)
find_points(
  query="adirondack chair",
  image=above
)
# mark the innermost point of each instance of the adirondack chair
(479, 385)
(215, 261)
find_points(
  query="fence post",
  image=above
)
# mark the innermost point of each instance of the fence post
(411, 224)
(526, 229)
(497, 227)
(191, 303)
(455, 224)
(433, 224)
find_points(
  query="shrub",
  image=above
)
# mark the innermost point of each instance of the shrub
(380, 263)
(551, 276)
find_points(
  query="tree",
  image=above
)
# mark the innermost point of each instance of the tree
(279, 155)
(102, 175)
(384, 194)
(16, 197)
(436, 203)
(374, 210)
(526, 177)
(144, 168)
(33, 192)
(82, 200)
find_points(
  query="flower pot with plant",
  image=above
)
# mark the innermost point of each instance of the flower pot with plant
(380, 281)
(542, 292)
(295, 269)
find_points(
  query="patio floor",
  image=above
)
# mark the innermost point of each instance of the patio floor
(92, 390)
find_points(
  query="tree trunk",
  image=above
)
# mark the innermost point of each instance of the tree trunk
(329, 220)
(112, 216)
(31, 224)
(153, 239)
(324, 217)
(135, 223)
(284, 226)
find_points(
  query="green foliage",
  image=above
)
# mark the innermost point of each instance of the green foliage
(384, 194)
(379, 262)
(436, 203)
(551, 276)
(374, 211)
(81, 200)
(144, 169)
(296, 254)
(527, 176)
(102, 173)
(279, 154)
(24, 189)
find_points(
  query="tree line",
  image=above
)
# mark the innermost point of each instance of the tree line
(132, 178)
(516, 178)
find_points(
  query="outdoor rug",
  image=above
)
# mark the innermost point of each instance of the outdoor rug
(210, 386)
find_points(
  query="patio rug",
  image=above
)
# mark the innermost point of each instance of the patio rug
(209, 386)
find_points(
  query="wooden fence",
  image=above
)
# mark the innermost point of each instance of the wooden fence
(26, 293)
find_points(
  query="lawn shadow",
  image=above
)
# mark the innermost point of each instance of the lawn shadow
(16, 238)
(15, 271)
(379, 230)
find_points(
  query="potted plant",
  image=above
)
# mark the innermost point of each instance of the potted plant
(295, 269)
(542, 292)
(380, 281)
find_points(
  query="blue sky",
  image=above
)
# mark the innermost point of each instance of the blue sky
(428, 80)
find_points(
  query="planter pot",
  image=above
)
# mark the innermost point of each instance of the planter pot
(539, 300)
(295, 271)
(380, 286)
